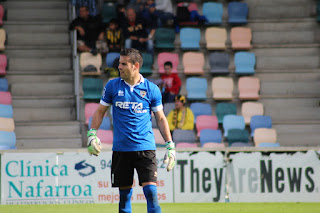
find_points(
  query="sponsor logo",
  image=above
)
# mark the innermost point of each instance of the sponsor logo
(135, 106)
(84, 168)
(120, 93)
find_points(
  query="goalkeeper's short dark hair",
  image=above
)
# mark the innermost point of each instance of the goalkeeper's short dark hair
(168, 63)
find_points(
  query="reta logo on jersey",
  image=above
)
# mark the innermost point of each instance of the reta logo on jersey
(137, 107)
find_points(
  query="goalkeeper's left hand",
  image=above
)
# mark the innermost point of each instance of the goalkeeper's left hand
(94, 144)
(170, 156)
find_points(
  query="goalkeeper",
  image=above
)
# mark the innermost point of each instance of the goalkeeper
(133, 98)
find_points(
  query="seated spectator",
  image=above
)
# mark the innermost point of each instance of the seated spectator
(89, 32)
(135, 33)
(114, 37)
(165, 12)
(172, 83)
(181, 117)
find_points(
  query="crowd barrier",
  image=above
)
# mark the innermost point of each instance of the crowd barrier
(225, 175)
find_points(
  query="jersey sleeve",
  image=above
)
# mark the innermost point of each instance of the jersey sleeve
(106, 98)
(156, 101)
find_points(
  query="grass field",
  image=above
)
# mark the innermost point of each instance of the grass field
(169, 208)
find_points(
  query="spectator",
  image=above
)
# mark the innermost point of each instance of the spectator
(181, 117)
(90, 4)
(89, 32)
(114, 37)
(172, 83)
(135, 33)
(137, 5)
(165, 12)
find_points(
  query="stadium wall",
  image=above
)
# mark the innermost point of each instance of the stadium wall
(51, 177)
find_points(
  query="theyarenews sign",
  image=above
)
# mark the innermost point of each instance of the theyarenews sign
(75, 177)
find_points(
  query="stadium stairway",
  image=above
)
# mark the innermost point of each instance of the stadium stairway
(40, 74)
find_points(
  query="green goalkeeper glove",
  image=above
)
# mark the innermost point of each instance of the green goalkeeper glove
(94, 144)
(170, 156)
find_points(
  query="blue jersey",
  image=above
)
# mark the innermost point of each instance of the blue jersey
(131, 112)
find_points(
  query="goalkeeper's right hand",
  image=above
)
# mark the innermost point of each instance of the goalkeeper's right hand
(94, 144)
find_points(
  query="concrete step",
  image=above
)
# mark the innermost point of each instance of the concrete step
(298, 134)
(39, 53)
(296, 102)
(279, 2)
(41, 89)
(25, 4)
(293, 113)
(310, 51)
(17, 27)
(283, 26)
(39, 101)
(288, 76)
(49, 143)
(287, 62)
(44, 114)
(33, 64)
(39, 78)
(35, 39)
(20, 14)
(288, 37)
(290, 88)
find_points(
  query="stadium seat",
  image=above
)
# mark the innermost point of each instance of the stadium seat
(186, 145)
(154, 122)
(158, 138)
(241, 38)
(210, 136)
(213, 11)
(237, 135)
(241, 144)
(108, 12)
(87, 59)
(147, 64)
(264, 135)
(110, 57)
(196, 88)
(249, 88)
(244, 63)
(166, 56)
(4, 147)
(167, 107)
(232, 122)
(7, 139)
(164, 38)
(2, 39)
(266, 144)
(6, 111)
(222, 88)
(206, 122)
(213, 145)
(216, 38)
(318, 11)
(187, 20)
(193, 63)
(1, 14)
(237, 13)
(92, 88)
(106, 137)
(4, 85)
(3, 64)
(200, 109)
(183, 136)
(219, 63)
(260, 121)
(6, 124)
(249, 109)
(89, 110)
(223, 109)
(190, 38)
(105, 125)
(5, 98)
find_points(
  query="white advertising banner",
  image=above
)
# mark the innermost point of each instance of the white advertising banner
(50, 178)
(274, 177)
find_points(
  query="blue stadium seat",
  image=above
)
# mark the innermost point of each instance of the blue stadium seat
(7, 139)
(108, 12)
(245, 63)
(200, 109)
(219, 63)
(232, 122)
(237, 135)
(92, 88)
(164, 38)
(6, 111)
(267, 144)
(196, 88)
(213, 11)
(190, 38)
(147, 64)
(260, 121)
(210, 135)
(167, 107)
(3, 84)
(5, 147)
(106, 123)
(223, 109)
(110, 57)
(238, 13)
(183, 136)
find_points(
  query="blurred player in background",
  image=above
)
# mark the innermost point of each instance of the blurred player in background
(133, 98)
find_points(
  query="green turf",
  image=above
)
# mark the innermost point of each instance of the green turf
(170, 208)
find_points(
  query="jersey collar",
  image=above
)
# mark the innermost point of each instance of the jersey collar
(132, 86)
